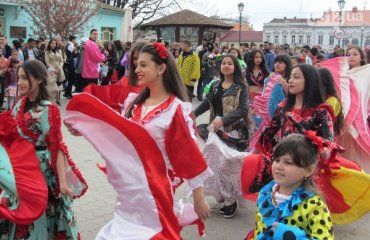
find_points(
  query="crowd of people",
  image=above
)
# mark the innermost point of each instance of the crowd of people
(278, 122)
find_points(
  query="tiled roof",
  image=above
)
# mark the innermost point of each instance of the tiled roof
(246, 36)
(187, 17)
(289, 20)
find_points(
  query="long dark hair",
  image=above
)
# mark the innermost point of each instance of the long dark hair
(289, 66)
(17, 44)
(362, 54)
(112, 52)
(137, 47)
(237, 50)
(250, 63)
(119, 45)
(302, 152)
(37, 70)
(49, 47)
(313, 90)
(329, 91)
(171, 77)
(237, 75)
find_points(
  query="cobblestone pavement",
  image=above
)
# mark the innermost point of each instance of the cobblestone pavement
(96, 207)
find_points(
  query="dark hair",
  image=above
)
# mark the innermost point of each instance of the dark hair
(112, 52)
(171, 78)
(93, 30)
(187, 42)
(285, 59)
(367, 56)
(31, 40)
(246, 45)
(136, 48)
(313, 89)
(327, 81)
(237, 75)
(250, 62)
(118, 44)
(48, 48)
(71, 38)
(302, 151)
(362, 54)
(299, 60)
(37, 70)
(17, 44)
(238, 52)
(314, 51)
(174, 50)
(306, 47)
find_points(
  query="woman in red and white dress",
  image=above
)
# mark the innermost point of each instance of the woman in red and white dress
(144, 149)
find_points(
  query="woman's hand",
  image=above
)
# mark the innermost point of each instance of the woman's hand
(72, 130)
(217, 124)
(201, 207)
(65, 190)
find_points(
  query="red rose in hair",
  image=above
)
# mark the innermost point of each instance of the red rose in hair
(161, 49)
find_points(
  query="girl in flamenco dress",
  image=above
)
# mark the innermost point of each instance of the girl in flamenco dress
(351, 77)
(153, 137)
(289, 207)
(344, 186)
(38, 121)
(274, 90)
(227, 101)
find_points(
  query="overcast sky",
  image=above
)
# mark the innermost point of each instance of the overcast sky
(261, 11)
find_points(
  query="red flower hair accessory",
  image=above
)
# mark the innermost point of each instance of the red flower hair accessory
(161, 49)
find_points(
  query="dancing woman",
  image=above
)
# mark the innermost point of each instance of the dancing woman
(38, 121)
(152, 142)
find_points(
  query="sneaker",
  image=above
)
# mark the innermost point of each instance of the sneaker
(230, 211)
(222, 210)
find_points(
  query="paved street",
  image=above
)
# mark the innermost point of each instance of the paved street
(96, 207)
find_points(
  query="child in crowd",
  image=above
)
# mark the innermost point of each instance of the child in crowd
(12, 78)
(289, 207)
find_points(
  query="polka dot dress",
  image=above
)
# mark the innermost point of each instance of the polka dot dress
(304, 216)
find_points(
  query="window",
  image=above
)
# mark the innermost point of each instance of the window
(355, 41)
(108, 34)
(300, 39)
(168, 34)
(308, 39)
(190, 34)
(367, 41)
(331, 40)
(276, 40)
(320, 39)
(285, 40)
(18, 32)
(293, 39)
(268, 38)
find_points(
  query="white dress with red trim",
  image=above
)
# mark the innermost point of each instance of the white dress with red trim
(139, 152)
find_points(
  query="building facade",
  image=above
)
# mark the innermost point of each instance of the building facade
(323, 31)
(15, 22)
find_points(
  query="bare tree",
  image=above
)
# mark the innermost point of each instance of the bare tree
(52, 17)
(144, 10)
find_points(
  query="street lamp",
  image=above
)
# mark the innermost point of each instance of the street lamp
(240, 8)
(362, 35)
(341, 4)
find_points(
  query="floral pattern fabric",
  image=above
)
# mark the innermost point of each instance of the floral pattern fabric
(42, 127)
